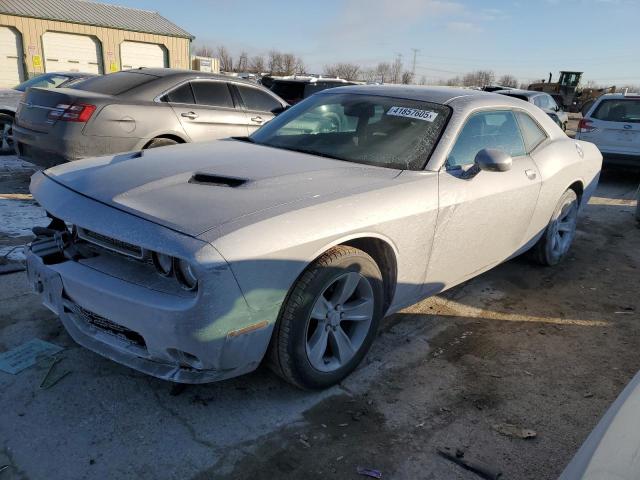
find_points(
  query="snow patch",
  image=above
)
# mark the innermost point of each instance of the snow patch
(11, 163)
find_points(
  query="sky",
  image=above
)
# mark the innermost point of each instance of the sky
(525, 38)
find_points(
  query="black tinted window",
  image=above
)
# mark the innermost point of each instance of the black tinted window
(255, 99)
(623, 110)
(182, 94)
(215, 94)
(532, 133)
(114, 83)
(291, 92)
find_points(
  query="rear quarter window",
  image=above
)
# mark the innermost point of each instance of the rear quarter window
(115, 83)
(622, 110)
(532, 133)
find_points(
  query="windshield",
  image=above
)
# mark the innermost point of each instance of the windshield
(374, 130)
(48, 80)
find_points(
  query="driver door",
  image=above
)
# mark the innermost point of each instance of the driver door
(483, 216)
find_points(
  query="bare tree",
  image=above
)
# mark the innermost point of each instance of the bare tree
(396, 70)
(423, 80)
(479, 78)
(383, 70)
(274, 62)
(454, 82)
(288, 63)
(204, 51)
(243, 62)
(348, 71)
(256, 64)
(299, 68)
(226, 60)
(407, 77)
(508, 81)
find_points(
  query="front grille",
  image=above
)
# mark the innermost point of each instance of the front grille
(111, 243)
(108, 326)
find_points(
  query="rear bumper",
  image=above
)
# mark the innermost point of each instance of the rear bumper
(47, 149)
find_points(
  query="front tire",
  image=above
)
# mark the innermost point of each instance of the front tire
(329, 319)
(557, 238)
(6, 135)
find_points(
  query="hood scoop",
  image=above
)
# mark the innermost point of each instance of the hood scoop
(216, 180)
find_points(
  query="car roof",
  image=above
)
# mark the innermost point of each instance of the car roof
(184, 74)
(522, 93)
(420, 93)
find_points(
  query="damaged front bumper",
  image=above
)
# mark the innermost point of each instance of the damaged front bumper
(172, 338)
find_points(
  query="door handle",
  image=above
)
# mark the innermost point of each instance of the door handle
(257, 119)
(531, 175)
(190, 115)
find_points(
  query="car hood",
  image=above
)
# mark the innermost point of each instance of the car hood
(10, 97)
(193, 188)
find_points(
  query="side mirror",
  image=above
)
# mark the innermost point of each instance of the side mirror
(278, 110)
(493, 160)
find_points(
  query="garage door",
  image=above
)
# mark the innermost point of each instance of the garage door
(138, 54)
(11, 69)
(66, 52)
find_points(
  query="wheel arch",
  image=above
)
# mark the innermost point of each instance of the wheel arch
(7, 112)
(381, 249)
(578, 187)
(170, 136)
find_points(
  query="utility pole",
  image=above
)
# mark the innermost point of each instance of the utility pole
(413, 68)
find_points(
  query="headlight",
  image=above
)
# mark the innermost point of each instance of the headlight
(163, 263)
(185, 274)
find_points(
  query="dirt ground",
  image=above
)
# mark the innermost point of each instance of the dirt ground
(545, 349)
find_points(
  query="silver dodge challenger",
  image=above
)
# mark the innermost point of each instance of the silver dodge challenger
(195, 263)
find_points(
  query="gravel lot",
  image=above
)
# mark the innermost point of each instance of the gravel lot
(546, 349)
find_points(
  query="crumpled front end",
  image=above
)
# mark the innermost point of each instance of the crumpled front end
(94, 267)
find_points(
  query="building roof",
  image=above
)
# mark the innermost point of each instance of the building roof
(92, 13)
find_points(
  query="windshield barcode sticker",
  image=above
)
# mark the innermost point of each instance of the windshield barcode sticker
(425, 115)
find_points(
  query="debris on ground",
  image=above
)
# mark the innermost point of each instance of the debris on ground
(46, 381)
(588, 395)
(369, 472)
(511, 430)
(26, 355)
(481, 469)
(304, 440)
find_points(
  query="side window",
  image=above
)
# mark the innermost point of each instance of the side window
(552, 105)
(255, 99)
(533, 134)
(538, 101)
(214, 94)
(495, 129)
(182, 94)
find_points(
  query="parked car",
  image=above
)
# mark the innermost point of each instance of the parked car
(190, 263)
(295, 89)
(10, 97)
(613, 124)
(541, 100)
(135, 110)
(611, 449)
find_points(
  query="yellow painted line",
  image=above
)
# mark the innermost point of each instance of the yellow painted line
(16, 196)
(619, 202)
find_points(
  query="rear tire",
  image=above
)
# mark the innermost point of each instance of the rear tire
(329, 319)
(557, 238)
(160, 142)
(6, 135)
